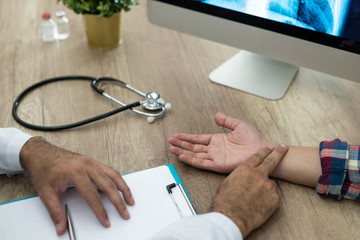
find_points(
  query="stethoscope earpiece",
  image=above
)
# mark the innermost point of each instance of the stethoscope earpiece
(150, 119)
(166, 108)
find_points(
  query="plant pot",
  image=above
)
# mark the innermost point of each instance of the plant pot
(103, 32)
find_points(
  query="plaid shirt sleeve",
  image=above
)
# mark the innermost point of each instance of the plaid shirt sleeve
(340, 164)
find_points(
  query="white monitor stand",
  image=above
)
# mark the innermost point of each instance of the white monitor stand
(255, 74)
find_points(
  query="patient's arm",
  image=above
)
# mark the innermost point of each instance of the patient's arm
(223, 152)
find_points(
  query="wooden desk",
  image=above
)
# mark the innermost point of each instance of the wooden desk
(316, 107)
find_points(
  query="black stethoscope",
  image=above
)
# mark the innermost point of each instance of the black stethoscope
(152, 101)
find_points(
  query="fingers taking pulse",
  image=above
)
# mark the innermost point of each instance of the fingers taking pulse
(267, 159)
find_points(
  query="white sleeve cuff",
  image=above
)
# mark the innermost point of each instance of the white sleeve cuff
(209, 226)
(226, 224)
(11, 142)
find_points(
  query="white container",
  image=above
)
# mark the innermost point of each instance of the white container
(49, 29)
(63, 30)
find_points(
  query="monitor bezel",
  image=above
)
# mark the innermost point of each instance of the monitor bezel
(341, 43)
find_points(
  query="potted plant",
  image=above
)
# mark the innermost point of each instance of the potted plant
(102, 19)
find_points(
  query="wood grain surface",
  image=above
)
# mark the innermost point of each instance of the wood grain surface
(316, 107)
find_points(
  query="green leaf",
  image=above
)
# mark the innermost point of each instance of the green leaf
(105, 8)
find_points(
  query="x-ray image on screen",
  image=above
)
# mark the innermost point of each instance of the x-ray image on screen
(334, 17)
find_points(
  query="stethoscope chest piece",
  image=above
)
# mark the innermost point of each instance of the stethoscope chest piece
(153, 101)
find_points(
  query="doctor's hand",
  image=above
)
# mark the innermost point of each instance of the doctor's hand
(221, 152)
(52, 170)
(247, 196)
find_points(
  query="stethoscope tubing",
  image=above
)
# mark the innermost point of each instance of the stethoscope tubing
(66, 126)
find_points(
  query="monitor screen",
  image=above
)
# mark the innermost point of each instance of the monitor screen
(336, 18)
(333, 23)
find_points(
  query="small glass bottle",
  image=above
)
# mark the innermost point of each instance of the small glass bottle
(62, 25)
(49, 29)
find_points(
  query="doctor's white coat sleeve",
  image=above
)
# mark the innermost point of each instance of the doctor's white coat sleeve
(11, 142)
(209, 226)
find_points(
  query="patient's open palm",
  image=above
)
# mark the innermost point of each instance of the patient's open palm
(221, 152)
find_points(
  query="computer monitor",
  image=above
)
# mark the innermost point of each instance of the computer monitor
(278, 36)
